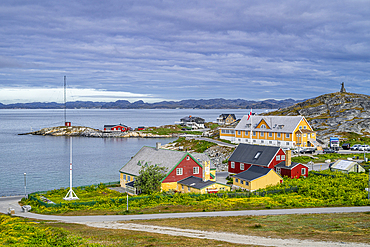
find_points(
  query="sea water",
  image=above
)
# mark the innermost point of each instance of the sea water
(46, 159)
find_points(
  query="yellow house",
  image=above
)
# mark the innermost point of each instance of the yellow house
(256, 177)
(283, 131)
(197, 185)
(226, 119)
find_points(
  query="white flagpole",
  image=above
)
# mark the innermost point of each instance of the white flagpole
(251, 126)
(71, 195)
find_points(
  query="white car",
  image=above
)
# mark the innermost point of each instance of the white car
(355, 147)
(363, 148)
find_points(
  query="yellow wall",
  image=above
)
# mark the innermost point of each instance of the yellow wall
(271, 178)
(169, 186)
(188, 189)
(129, 178)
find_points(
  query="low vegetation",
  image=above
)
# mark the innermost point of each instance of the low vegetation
(330, 189)
(170, 129)
(198, 146)
(321, 158)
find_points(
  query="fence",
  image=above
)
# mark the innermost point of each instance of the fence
(135, 198)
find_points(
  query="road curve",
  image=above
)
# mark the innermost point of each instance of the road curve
(6, 202)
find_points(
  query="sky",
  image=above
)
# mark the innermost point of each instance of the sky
(173, 50)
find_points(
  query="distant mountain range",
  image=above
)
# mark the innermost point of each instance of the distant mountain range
(185, 104)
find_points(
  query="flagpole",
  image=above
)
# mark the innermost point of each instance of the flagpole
(251, 126)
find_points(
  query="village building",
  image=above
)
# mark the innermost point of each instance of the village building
(283, 131)
(256, 177)
(194, 184)
(180, 165)
(226, 119)
(346, 166)
(246, 155)
(291, 169)
(192, 122)
(117, 127)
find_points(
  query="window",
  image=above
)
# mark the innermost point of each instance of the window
(278, 143)
(232, 164)
(246, 183)
(241, 166)
(254, 133)
(278, 135)
(270, 142)
(262, 133)
(277, 157)
(304, 135)
(270, 134)
(263, 126)
(262, 141)
(187, 158)
(303, 171)
(305, 127)
(254, 140)
(287, 135)
(128, 178)
(287, 143)
(196, 170)
(238, 132)
(300, 127)
(178, 171)
(258, 154)
(278, 170)
(124, 177)
(282, 157)
(236, 180)
(241, 181)
(182, 186)
(312, 135)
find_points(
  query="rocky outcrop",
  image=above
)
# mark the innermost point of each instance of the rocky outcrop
(90, 132)
(332, 114)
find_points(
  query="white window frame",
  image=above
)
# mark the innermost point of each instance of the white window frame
(270, 134)
(278, 170)
(241, 166)
(128, 177)
(303, 171)
(277, 157)
(232, 164)
(279, 135)
(262, 133)
(282, 157)
(196, 170)
(187, 158)
(287, 135)
(179, 171)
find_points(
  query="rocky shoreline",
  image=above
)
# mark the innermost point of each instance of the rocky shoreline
(90, 132)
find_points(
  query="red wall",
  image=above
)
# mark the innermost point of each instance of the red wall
(295, 172)
(237, 170)
(187, 171)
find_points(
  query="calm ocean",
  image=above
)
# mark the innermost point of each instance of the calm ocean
(45, 159)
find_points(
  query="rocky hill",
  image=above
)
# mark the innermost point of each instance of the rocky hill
(334, 114)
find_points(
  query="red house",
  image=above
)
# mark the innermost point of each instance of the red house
(118, 127)
(179, 165)
(246, 155)
(291, 169)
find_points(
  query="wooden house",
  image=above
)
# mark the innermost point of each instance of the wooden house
(226, 119)
(117, 127)
(198, 185)
(291, 169)
(180, 165)
(283, 131)
(246, 155)
(192, 122)
(256, 177)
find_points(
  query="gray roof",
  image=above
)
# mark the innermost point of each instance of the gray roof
(196, 182)
(246, 153)
(161, 157)
(224, 116)
(253, 173)
(283, 124)
(343, 164)
(293, 164)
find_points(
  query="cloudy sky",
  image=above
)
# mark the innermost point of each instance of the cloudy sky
(171, 50)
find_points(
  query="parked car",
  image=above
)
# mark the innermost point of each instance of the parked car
(355, 147)
(307, 150)
(363, 148)
(328, 151)
(346, 146)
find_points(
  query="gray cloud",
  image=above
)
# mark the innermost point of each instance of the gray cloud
(192, 49)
